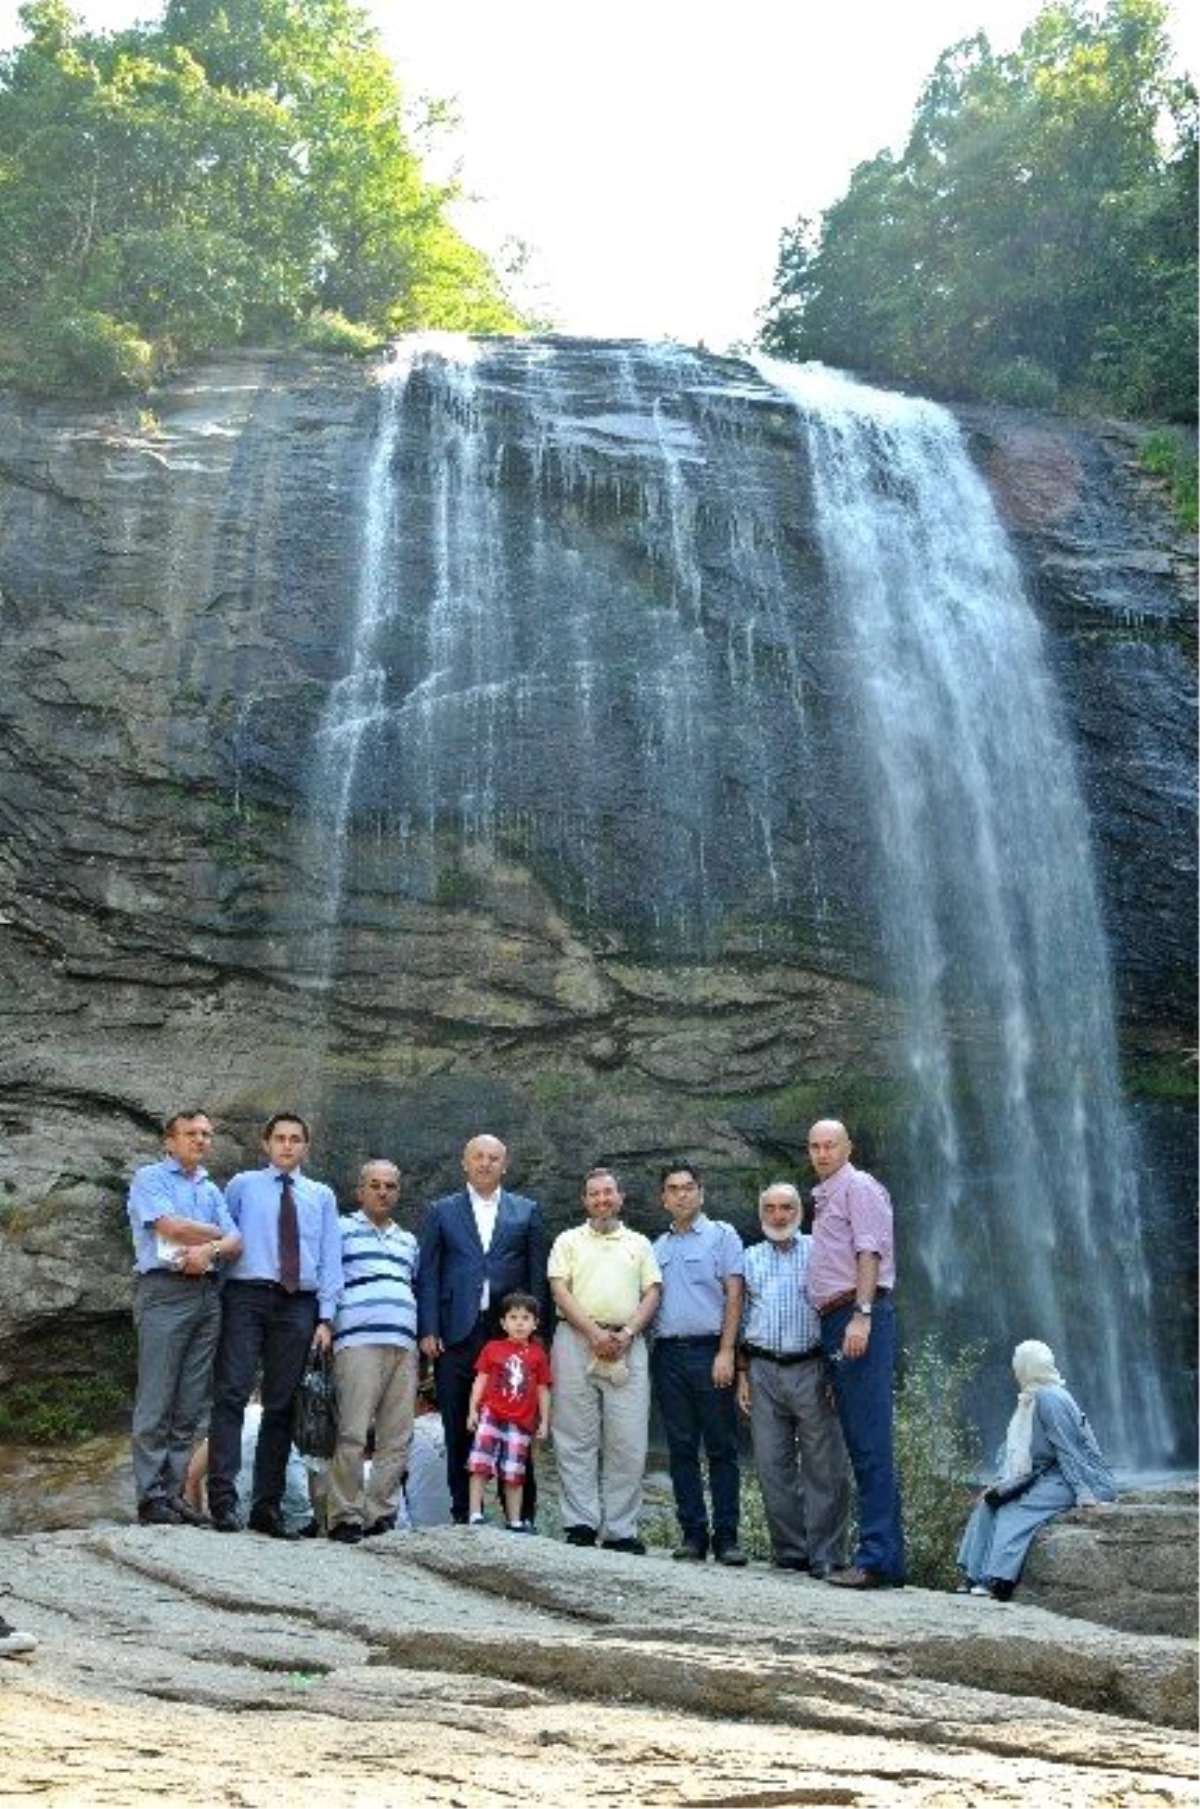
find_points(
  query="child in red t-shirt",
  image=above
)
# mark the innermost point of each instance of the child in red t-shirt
(510, 1403)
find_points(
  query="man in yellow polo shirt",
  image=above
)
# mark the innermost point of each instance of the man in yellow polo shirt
(606, 1285)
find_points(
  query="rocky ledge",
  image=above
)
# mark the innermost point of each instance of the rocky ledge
(477, 1668)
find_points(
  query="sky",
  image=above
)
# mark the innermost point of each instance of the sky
(650, 152)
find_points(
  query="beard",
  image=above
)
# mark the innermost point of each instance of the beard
(781, 1235)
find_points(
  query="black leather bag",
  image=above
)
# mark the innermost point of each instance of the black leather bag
(315, 1415)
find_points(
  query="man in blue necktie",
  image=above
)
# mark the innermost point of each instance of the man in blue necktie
(279, 1301)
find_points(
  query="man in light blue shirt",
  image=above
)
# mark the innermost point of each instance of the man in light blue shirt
(374, 1359)
(692, 1364)
(783, 1385)
(182, 1233)
(279, 1302)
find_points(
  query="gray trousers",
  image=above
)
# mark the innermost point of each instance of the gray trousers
(600, 1434)
(376, 1385)
(177, 1318)
(800, 1456)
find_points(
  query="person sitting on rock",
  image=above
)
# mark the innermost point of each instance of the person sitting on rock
(1050, 1462)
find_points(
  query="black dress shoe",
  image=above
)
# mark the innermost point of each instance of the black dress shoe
(820, 1573)
(386, 1523)
(157, 1512)
(579, 1535)
(269, 1522)
(689, 1553)
(732, 1555)
(792, 1564)
(634, 1546)
(346, 1532)
(226, 1520)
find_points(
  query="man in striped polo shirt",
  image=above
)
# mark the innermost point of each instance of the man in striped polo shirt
(374, 1359)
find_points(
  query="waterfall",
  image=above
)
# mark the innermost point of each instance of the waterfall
(1027, 1221)
(719, 715)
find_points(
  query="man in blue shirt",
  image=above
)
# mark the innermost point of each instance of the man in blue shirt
(279, 1302)
(374, 1359)
(182, 1232)
(692, 1364)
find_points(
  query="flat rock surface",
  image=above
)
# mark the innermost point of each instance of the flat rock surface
(470, 1668)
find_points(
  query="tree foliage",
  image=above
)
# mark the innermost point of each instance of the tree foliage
(240, 171)
(1037, 235)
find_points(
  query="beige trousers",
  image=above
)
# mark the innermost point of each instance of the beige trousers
(600, 1435)
(377, 1385)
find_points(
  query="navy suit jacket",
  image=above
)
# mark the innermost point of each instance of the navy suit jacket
(453, 1266)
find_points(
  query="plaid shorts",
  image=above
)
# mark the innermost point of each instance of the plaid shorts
(499, 1445)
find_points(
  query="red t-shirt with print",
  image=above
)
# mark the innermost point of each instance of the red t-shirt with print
(514, 1372)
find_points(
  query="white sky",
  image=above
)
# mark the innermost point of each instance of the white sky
(651, 151)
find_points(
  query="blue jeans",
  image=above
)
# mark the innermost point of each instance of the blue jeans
(696, 1412)
(862, 1387)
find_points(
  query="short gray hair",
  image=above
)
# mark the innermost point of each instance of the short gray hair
(781, 1187)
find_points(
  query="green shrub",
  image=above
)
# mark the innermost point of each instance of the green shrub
(325, 330)
(78, 1386)
(937, 1458)
(1022, 382)
(1166, 454)
(83, 352)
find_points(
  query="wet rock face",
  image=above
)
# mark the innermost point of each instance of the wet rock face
(1114, 583)
(177, 599)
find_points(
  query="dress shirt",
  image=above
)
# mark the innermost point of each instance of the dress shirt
(379, 1266)
(695, 1264)
(777, 1316)
(605, 1272)
(253, 1200)
(485, 1209)
(161, 1190)
(852, 1212)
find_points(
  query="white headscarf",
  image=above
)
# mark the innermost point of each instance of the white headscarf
(1033, 1366)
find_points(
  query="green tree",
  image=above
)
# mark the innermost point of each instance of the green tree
(1038, 230)
(241, 171)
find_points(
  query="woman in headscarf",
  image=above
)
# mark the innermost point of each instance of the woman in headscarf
(1050, 1463)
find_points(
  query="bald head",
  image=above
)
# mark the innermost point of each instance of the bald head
(828, 1147)
(484, 1162)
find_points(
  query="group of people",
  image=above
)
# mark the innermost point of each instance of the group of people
(241, 1287)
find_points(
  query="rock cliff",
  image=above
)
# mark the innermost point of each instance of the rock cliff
(178, 595)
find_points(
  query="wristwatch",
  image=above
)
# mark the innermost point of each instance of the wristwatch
(864, 1307)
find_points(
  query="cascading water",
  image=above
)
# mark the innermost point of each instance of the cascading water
(593, 638)
(1026, 1220)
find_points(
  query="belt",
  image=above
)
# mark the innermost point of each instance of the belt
(688, 1338)
(783, 1357)
(276, 1287)
(847, 1299)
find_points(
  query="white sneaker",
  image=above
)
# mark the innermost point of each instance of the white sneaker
(12, 1642)
(477, 1520)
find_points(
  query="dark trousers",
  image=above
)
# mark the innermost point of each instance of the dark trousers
(862, 1388)
(454, 1377)
(261, 1327)
(695, 1413)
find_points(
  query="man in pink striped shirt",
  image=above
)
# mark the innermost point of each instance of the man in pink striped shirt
(851, 1274)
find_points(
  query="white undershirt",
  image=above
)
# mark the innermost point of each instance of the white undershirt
(485, 1211)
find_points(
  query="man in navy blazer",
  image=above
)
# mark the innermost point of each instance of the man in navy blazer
(476, 1246)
